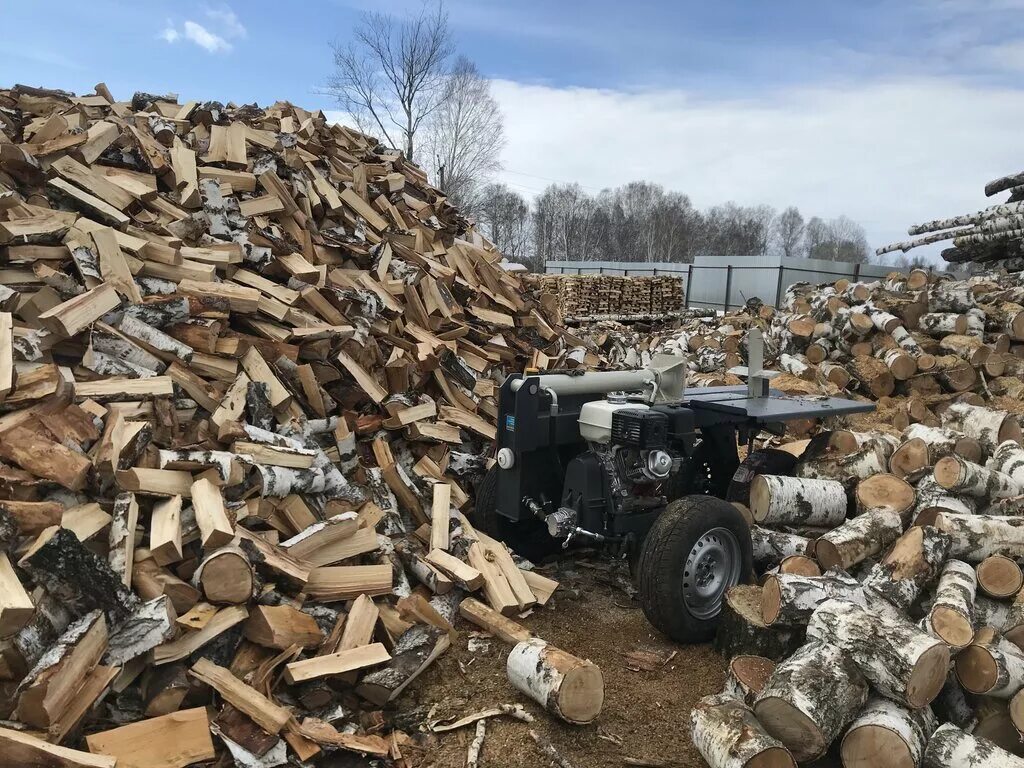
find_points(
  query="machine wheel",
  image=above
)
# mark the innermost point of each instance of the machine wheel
(696, 549)
(529, 538)
(770, 461)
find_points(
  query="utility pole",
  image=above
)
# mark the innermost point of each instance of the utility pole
(440, 173)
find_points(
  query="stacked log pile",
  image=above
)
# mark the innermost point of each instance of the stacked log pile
(992, 238)
(609, 297)
(248, 364)
(885, 624)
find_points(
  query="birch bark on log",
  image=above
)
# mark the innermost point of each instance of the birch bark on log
(772, 547)
(862, 464)
(727, 735)
(913, 562)
(746, 676)
(780, 500)
(741, 630)
(887, 734)
(950, 747)
(951, 618)
(858, 539)
(976, 537)
(961, 476)
(901, 661)
(789, 599)
(939, 324)
(872, 375)
(810, 698)
(988, 426)
(1008, 458)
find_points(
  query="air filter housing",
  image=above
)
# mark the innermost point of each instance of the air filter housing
(643, 429)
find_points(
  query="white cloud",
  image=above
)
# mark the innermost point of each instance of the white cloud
(222, 25)
(887, 154)
(204, 38)
(226, 22)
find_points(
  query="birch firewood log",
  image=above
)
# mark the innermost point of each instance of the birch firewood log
(961, 476)
(790, 599)
(939, 324)
(976, 537)
(991, 666)
(988, 426)
(906, 341)
(900, 364)
(742, 631)
(951, 618)
(950, 747)
(999, 577)
(810, 698)
(780, 500)
(932, 499)
(923, 446)
(913, 562)
(872, 375)
(566, 686)
(727, 735)
(858, 539)
(887, 734)
(902, 662)
(863, 463)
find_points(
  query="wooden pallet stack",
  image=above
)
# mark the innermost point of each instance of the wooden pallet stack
(886, 624)
(248, 364)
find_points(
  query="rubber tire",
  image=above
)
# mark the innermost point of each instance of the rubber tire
(529, 538)
(770, 461)
(659, 577)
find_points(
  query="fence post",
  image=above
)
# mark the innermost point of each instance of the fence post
(778, 288)
(689, 284)
(728, 285)
(856, 272)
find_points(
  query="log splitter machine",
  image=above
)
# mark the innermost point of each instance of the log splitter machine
(632, 462)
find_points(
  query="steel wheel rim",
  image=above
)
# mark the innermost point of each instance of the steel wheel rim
(712, 566)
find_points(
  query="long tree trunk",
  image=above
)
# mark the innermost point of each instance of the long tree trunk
(810, 698)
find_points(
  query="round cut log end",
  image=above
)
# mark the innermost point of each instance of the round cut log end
(947, 472)
(843, 441)
(773, 757)
(581, 695)
(902, 366)
(976, 670)
(771, 600)
(926, 362)
(968, 448)
(928, 677)
(827, 554)
(227, 578)
(999, 576)
(1017, 711)
(792, 727)
(886, 491)
(909, 457)
(752, 671)
(871, 746)
(760, 497)
(801, 565)
(951, 627)
(1010, 430)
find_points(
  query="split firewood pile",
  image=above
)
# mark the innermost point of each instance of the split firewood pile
(992, 238)
(610, 297)
(248, 364)
(888, 620)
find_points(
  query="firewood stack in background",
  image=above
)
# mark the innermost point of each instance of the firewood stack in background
(992, 238)
(598, 297)
(248, 372)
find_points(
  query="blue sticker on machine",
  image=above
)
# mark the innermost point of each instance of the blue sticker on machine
(510, 422)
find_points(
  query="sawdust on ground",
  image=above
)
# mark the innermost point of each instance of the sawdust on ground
(646, 713)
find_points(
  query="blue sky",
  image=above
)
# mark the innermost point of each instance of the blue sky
(887, 111)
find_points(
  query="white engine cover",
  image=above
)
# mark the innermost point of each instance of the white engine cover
(596, 419)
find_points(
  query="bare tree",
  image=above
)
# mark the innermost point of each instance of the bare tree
(466, 134)
(839, 239)
(789, 232)
(391, 76)
(504, 216)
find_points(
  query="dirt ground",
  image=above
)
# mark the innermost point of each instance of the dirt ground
(646, 713)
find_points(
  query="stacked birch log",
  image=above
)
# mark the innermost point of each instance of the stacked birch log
(598, 297)
(887, 622)
(992, 238)
(248, 364)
